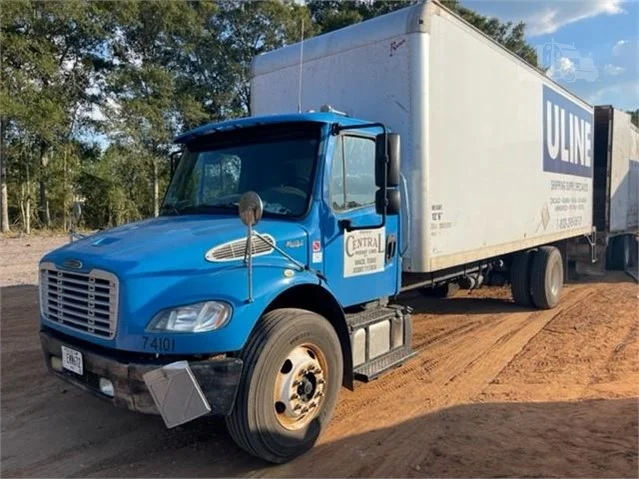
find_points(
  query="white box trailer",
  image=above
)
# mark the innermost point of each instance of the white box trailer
(496, 157)
(616, 187)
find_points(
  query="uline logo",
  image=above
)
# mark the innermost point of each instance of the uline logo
(568, 135)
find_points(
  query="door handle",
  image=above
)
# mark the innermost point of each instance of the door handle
(391, 248)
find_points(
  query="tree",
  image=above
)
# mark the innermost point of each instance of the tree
(145, 103)
(137, 73)
(4, 197)
(247, 29)
(634, 117)
(51, 59)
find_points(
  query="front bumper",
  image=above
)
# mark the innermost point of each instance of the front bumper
(218, 378)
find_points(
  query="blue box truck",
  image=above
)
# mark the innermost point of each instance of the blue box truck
(272, 277)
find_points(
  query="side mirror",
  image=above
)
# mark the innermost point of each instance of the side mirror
(251, 208)
(175, 160)
(389, 199)
(387, 156)
(393, 175)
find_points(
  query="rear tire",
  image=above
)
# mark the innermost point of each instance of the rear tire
(620, 252)
(547, 277)
(520, 277)
(288, 350)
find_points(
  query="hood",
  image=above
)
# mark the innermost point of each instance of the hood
(173, 243)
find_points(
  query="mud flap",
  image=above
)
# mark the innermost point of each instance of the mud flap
(176, 393)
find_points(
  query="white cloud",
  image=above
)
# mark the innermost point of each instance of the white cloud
(562, 68)
(548, 16)
(613, 70)
(616, 49)
(622, 95)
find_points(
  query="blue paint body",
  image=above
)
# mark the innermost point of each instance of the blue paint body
(160, 262)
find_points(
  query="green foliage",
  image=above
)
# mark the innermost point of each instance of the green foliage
(134, 74)
(634, 117)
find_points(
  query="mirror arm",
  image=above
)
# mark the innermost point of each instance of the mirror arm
(301, 266)
(73, 236)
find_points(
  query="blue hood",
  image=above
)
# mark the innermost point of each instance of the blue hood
(172, 243)
(161, 263)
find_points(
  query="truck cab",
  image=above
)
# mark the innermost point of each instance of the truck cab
(263, 285)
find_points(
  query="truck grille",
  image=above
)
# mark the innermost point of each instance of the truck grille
(86, 302)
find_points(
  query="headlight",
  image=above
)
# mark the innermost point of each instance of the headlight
(192, 318)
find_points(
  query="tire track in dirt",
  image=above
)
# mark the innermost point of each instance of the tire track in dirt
(439, 404)
(465, 364)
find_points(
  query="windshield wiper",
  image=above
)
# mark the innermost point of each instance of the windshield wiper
(229, 204)
(172, 208)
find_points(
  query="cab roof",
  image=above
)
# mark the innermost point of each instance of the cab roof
(316, 117)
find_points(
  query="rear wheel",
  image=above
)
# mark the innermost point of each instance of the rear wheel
(620, 252)
(290, 382)
(546, 277)
(520, 277)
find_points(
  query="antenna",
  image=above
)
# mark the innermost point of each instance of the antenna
(299, 92)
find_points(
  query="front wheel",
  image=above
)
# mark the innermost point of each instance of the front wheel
(290, 383)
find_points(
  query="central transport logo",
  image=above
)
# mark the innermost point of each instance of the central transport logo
(568, 135)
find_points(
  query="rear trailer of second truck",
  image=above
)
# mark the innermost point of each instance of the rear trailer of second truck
(616, 189)
(496, 157)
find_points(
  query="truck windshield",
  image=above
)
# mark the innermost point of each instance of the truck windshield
(275, 162)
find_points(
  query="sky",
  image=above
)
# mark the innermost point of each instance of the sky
(590, 46)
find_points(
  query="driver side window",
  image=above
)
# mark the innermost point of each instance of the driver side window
(353, 173)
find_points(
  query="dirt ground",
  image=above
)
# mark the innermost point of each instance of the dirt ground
(496, 390)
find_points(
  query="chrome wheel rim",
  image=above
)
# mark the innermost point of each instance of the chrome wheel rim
(300, 386)
(555, 279)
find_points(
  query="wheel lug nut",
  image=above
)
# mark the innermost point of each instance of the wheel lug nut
(297, 407)
(294, 396)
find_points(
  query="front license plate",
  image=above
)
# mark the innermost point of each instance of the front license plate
(72, 360)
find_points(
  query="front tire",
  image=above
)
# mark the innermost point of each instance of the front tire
(290, 382)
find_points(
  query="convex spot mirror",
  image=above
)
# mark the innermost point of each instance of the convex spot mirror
(393, 164)
(76, 212)
(251, 208)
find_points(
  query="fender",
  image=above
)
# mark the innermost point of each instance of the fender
(318, 298)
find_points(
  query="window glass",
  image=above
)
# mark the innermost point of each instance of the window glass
(277, 164)
(353, 173)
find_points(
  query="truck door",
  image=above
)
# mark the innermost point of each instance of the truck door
(360, 265)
